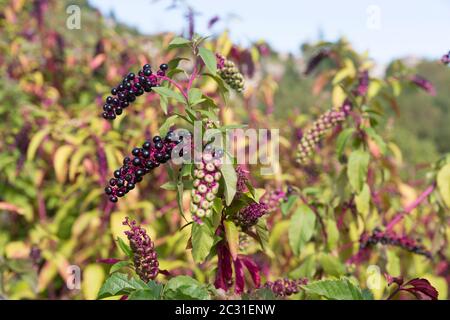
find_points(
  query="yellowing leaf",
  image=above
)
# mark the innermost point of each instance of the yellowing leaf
(338, 96)
(35, 142)
(92, 279)
(439, 283)
(76, 160)
(362, 200)
(17, 250)
(117, 228)
(60, 162)
(232, 235)
(443, 182)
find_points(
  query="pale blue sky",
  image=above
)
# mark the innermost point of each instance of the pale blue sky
(407, 27)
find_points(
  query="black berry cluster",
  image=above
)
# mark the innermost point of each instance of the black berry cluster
(390, 238)
(145, 259)
(312, 137)
(143, 160)
(446, 58)
(131, 87)
(228, 71)
(285, 287)
(206, 184)
(248, 216)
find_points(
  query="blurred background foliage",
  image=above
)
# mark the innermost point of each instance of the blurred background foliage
(56, 152)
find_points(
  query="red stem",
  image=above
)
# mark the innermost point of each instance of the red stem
(192, 78)
(410, 207)
(176, 85)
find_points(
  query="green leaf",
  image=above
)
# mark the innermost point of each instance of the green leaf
(358, 164)
(331, 265)
(173, 64)
(443, 183)
(169, 93)
(286, 206)
(307, 268)
(262, 232)
(362, 200)
(195, 96)
(125, 248)
(230, 179)
(377, 138)
(118, 265)
(179, 42)
(333, 234)
(185, 288)
(170, 185)
(341, 289)
(342, 140)
(167, 124)
(209, 58)
(119, 284)
(153, 292)
(232, 236)
(223, 89)
(202, 241)
(301, 228)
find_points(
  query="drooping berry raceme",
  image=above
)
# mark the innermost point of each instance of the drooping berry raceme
(228, 71)
(424, 84)
(390, 238)
(363, 83)
(206, 183)
(446, 58)
(273, 198)
(285, 287)
(316, 60)
(145, 259)
(143, 160)
(312, 137)
(132, 86)
(248, 216)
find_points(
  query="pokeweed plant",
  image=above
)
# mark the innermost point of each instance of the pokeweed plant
(224, 206)
(321, 234)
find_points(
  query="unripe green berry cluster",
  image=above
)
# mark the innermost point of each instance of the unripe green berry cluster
(228, 71)
(312, 137)
(205, 186)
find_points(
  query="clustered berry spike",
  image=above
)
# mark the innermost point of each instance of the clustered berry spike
(446, 58)
(242, 179)
(312, 137)
(424, 84)
(145, 259)
(131, 87)
(273, 198)
(144, 159)
(285, 287)
(206, 183)
(248, 216)
(390, 238)
(228, 71)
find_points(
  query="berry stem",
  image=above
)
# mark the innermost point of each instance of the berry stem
(411, 207)
(176, 85)
(192, 78)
